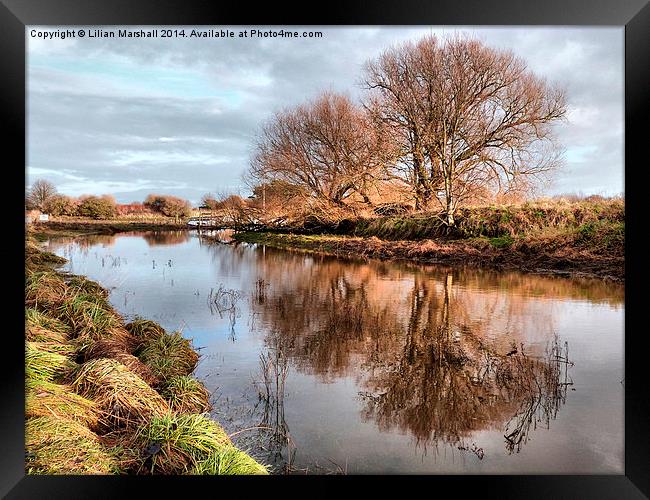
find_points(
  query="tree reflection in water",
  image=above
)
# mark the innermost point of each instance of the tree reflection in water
(426, 367)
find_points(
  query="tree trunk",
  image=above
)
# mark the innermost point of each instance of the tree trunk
(449, 206)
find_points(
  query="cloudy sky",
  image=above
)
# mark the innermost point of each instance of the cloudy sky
(129, 116)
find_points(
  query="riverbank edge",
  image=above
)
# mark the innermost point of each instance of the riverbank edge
(81, 227)
(73, 375)
(471, 252)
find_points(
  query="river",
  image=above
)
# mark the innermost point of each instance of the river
(325, 365)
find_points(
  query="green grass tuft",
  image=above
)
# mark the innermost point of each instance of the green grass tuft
(180, 442)
(61, 446)
(186, 394)
(47, 366)
(229, 461)
(47, 399)
(169, 355)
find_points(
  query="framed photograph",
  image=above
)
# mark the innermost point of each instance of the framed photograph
(387, 243)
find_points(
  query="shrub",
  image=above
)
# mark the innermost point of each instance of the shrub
(170, 206)
(60, 205)
(96, 207)
(132, 209)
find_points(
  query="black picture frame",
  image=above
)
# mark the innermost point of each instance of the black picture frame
(634, 15)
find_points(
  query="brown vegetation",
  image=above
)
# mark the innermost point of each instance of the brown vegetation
(98, 391)
(445, 122)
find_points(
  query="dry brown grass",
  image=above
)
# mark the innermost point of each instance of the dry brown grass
(45, 399)
(186, 394)
(62, 446)
(127, 398)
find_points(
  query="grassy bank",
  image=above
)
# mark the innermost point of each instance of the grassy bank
(105, 397)
(583, 238)
(74, 226)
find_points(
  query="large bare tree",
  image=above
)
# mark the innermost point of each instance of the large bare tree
(468, 116)
(40, 193)
(328, 146)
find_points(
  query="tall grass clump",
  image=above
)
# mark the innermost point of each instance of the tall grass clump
(178, 442)
(45, 399)
(47, 366)
(65, 349)
(37, 319)
(186, 394)
(39, 334)
(81, 284)
(40, 260)
(44, 290)
(119, 350)
(62, 446)
(169, 355)
(122, 394)
(88, 317)
(144, 330)
(229, 461)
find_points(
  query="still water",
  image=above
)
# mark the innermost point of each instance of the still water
(324, 365)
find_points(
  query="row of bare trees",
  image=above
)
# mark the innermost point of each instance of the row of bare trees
(443, 120)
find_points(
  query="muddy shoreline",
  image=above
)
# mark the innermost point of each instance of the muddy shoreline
(453, 253)
(74, 228)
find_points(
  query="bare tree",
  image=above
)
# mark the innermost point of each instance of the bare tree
(469, 117)
(327, 146)
(41, 192)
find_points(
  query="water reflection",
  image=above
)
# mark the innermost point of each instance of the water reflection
(369, 366)
(157, 238)
(425, 364)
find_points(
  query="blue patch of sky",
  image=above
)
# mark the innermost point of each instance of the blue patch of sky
(579, 154)
(170, 81)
